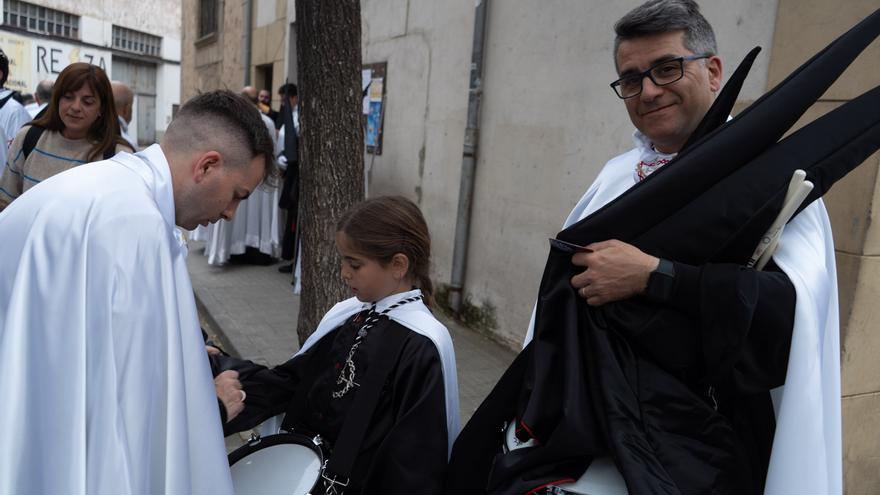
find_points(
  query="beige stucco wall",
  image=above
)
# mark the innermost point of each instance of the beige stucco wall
(158, 17)
(803, 27)
(269, 42)
(214, 62)
(426, 45)
(217, 61)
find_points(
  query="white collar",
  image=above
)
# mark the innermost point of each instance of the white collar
(152, 166)
(650, 160)
(418, 318)
(646, 148)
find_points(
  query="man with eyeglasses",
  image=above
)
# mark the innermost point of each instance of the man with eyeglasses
(669, 74)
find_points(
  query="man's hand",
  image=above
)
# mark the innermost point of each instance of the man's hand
(229, 392)
(615, 270)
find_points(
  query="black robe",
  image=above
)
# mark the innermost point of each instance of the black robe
(289, 197)
(405, 448)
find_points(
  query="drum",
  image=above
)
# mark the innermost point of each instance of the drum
(601, 478)
(282, 464)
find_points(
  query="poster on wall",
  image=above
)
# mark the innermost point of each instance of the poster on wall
(373, 78)
(32, 60)
(18, 50)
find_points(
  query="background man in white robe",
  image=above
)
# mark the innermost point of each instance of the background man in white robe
(123, 98)
(107, 387)
(12, 113)
(42, 95)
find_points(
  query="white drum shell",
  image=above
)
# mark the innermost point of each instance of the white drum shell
(281, 469)
(601, 478)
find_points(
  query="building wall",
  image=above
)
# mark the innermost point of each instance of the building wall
(215, 62)
(157, 17)
(427, 47)
(269, 45)
(803, 27)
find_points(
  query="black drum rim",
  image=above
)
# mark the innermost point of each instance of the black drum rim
(272, 440)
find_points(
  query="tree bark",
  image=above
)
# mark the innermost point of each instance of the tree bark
(331, 145)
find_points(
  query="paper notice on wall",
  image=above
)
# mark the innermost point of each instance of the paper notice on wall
(374, 124)
(18, 51)
(366, 77)
(376, 89)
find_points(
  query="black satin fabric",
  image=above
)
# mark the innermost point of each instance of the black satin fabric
(641, 381)
(289, 197)
(405, 448)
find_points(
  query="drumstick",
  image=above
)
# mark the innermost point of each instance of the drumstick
(771, 238)
(767, 239)
(798, 189)
(788, 212)
(797, 179)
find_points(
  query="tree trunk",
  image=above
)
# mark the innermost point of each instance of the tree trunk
(331, 145)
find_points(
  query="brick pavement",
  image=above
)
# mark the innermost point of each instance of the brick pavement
(252, 311)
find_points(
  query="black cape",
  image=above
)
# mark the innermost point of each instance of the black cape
(582, 386)
(289, 197)
(405, 448)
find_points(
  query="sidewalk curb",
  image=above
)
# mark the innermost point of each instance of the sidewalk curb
(210, 325)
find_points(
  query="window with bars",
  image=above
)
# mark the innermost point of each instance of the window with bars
(207, 17)
(38, 19)
(133, 41)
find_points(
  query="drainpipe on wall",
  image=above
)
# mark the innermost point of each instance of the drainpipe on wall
(468, 161)
(246, 40)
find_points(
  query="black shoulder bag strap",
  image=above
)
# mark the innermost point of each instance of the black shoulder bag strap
(4, 100)
(30, 139)
(354, 428)
(41, 113)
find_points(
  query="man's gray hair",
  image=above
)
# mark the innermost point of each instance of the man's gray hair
(663, 16)
(44, 91)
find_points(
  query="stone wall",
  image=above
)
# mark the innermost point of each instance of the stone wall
(802, 28)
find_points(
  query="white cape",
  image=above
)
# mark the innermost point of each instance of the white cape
(806, 456)
(415, 316)
(104, 378)
(256, 224)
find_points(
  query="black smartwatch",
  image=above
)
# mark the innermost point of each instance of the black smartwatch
(661, 282)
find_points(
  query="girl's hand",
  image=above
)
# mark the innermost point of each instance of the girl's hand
(229, 392)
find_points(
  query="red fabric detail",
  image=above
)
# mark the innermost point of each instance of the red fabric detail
(545, 485)
(644, 169)
(529, 431)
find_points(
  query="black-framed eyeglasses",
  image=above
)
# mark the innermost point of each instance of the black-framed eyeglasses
(661, 74)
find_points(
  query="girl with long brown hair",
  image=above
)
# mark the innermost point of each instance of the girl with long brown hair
(385, 249)
(80, 126)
